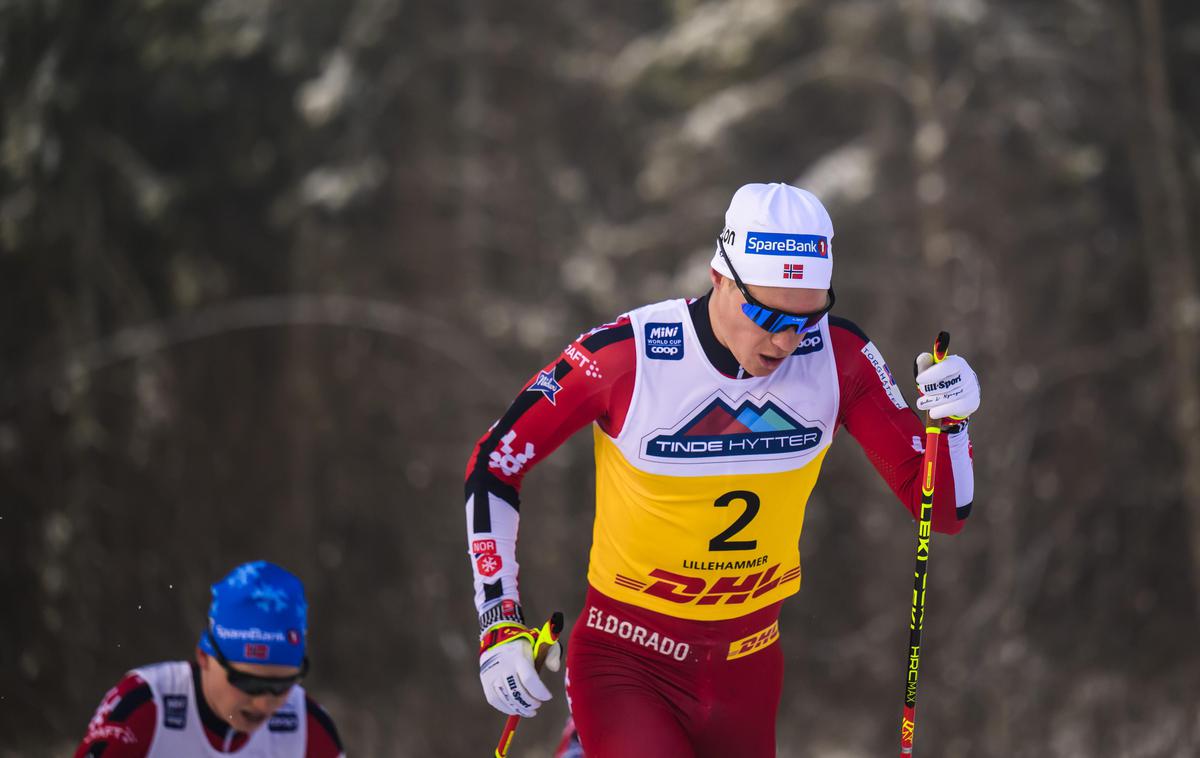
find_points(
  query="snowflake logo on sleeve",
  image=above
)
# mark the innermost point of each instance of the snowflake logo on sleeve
(488, 565)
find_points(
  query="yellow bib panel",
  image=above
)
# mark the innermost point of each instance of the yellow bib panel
(700, 498)
(698, 547)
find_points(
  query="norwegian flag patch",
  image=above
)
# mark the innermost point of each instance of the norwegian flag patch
(257, 651)
(793, 271)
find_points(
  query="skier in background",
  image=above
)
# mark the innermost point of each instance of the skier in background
(241, 695)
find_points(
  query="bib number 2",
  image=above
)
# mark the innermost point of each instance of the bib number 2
(722, 541)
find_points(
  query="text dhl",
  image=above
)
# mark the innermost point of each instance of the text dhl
(732, 590)
(753, 643)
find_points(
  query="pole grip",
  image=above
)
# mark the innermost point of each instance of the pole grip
(941, 346)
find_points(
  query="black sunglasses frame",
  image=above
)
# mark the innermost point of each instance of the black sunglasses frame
(769, 316)
(256, 685)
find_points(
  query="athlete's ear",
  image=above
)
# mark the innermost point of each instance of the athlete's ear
(715, 277)
(202, 659)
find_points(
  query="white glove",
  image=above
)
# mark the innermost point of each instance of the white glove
(949, 388)
(510, 681)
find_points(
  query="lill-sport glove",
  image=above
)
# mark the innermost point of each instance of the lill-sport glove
(506, 670)
(949, 389)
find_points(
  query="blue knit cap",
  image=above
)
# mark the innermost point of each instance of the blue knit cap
(258, 615)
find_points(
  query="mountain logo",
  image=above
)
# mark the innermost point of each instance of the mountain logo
(718, 430)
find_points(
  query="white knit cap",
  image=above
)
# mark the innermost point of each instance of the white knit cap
(777, 235)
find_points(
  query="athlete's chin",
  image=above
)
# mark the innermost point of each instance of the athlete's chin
(248, 721)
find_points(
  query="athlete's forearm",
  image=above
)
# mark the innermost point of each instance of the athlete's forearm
(961, 471)
(492, 526)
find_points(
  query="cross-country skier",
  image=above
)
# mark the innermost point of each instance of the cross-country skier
(241, 695)
(711, 418)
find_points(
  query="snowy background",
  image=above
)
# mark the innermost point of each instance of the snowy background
(268, 269)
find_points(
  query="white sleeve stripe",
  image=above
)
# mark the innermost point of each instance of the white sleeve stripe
(961, 468)
(497, 560)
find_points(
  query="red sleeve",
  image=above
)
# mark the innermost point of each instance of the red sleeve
(875, 413)
(592, 380)
(123, 724)
(323, 740)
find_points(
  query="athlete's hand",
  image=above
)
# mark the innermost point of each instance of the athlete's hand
(506, 667)
(949, 389)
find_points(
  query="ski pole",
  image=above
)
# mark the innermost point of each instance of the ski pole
(543, 639)
(933, 433)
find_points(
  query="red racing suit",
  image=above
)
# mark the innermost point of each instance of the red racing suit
(674, 653)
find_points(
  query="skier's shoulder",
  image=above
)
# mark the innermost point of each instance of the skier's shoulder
(618, 332)
(856, 356)
(605, 353)
(124, 720)
(323, 738)
(862, 370)
(847, 334)
(130, 695)
(852, 348)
